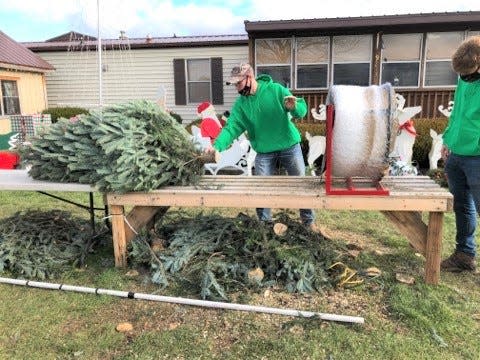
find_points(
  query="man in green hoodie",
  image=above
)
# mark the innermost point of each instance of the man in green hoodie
(461, 153)
(265, 110)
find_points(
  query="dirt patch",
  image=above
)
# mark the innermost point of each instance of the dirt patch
(361, 241)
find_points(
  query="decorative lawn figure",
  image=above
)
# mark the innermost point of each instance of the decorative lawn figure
(321, 114)
(406, 132)
(446, 111)
(435, 151)
(401, 157)
(9, 159)
(316, 148)
(210, 126)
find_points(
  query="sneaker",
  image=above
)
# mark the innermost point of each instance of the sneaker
(459, 261)
(319, 230)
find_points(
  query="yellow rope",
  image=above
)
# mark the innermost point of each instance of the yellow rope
(347, 278)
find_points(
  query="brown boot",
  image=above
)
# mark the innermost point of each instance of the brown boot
(459, 261)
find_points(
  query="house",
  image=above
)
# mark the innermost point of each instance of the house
(412, 52)
(187, 70)
(22, 79)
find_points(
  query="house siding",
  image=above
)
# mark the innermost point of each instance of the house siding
(130, 74)
(31, 90)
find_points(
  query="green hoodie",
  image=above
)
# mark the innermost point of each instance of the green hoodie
(462, 135)
(264, 117)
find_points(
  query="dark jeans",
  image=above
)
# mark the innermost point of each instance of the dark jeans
(463, 173)
(292, 160)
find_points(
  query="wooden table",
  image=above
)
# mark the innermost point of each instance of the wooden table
(409, 196)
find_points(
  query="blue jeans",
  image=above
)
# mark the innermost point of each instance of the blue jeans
(292, 160)
(463, 173)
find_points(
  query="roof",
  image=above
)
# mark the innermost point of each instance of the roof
(16, 55)
(446, 21)
(71, 35)
(139, 43)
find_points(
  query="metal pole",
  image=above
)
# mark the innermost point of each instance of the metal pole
(99, 51)
(184, 301)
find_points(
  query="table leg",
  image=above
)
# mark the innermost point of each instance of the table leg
(434, 247)
(119, 235)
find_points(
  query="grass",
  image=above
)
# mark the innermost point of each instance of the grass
(401, 321)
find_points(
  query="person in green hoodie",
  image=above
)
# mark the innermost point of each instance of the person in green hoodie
(461, 153)
(265, 110)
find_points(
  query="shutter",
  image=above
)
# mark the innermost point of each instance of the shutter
(217, 80)
(179, 81)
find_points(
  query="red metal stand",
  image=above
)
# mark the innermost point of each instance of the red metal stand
(351, 186)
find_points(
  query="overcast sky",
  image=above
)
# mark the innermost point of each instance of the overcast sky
(39, 20)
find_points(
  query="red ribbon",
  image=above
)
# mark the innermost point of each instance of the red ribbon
(408, 127)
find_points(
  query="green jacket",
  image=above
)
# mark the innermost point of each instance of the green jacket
(462, 135)
(264, 117)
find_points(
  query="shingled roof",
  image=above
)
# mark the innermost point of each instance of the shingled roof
(16, 56)
(60, 44)
(444, 21)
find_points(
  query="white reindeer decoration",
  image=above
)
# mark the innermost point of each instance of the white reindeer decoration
(446, 111)
(406, 137)
(436, 150)
(321, 114)
(316, 148)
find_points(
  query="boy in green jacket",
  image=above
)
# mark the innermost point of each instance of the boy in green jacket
(461, 153)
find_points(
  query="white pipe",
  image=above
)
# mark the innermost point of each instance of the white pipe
(184, 301)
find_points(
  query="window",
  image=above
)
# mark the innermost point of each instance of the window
(312, 57)
(274, 58)
(351, 59)
(10, 104)
(401, 59)
(439, 50)
(198, 80)
(473, 33)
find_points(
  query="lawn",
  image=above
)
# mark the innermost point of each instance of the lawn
(402, 321)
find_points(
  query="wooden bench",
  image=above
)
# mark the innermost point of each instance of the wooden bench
(409, 196)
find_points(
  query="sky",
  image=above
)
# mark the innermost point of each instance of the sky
(39, 20)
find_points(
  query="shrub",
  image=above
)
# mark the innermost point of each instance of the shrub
(176, 117)
(438, 175)
(423, 142)
(194, 122)
(64, 112)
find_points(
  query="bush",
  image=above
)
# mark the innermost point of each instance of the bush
(64, 112)
(194, 122)
(423, 142)
(438, 175)
(176, 117)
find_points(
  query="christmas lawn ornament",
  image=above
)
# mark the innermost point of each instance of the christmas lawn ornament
(406, 135)
(316, 148)
(321, 114)
(435, 152)
(446, 111)
(210, 126)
